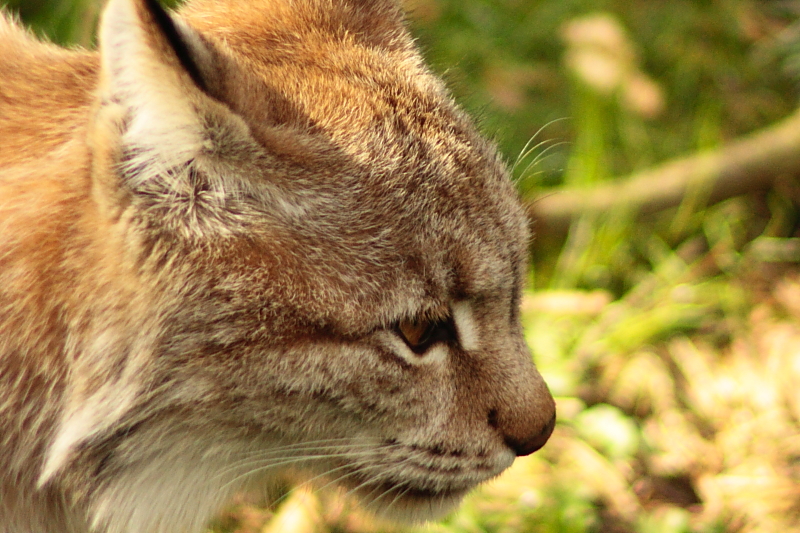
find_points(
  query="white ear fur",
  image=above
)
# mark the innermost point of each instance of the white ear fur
(91, 409)
(146, 74)
(158, 73)
(85, 418)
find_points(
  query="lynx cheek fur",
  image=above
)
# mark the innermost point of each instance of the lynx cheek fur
(250, 235)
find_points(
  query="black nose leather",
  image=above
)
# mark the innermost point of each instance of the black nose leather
(532, 442)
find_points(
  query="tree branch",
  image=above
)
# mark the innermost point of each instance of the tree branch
(750, 163)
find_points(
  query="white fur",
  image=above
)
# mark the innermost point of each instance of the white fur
(465, 324)
(163, 119)
(145, 498)
(89, 412)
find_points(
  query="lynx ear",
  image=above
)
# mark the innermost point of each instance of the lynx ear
(156, 73)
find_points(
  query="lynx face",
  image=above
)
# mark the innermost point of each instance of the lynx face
(271, 240)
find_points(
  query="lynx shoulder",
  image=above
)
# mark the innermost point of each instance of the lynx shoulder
(248, 235)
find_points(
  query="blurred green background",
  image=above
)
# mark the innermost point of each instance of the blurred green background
(671, 339)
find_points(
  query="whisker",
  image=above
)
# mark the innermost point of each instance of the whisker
(281, 453)
(282, 456)
(361, 485)
(529, 151)
(267, 462)
(365, 469)
(370, 493)
(540, 157)
(525, 149)
(375, 501)
(358, 471)
(527, 145)
(270, 453)
(311, 443)
(334, 480)
(398, 498)
(337, 479)
(270, 465)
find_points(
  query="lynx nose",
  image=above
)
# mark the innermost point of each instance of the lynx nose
(531, 443)
(527, 417)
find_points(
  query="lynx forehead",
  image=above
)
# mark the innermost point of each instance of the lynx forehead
(246, 236)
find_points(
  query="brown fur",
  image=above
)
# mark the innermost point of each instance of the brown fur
(209, 232)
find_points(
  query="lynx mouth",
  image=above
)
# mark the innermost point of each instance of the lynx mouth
(412, 483)
(406, 502)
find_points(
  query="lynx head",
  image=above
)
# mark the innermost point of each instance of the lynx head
(320, 264)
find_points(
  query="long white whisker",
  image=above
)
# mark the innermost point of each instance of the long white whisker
(247, 456)
(361, 485)
(356, 472)
(375, 501)
(398, 497)
(525, 149)
(270, 465)
(541, 154)
(370, 493)
(337, 479)
(528, 152)
(305, 483)
(327, 473)
(311, 443)
(282, 456)
(281, 453)
(540, 157)
(366, 469)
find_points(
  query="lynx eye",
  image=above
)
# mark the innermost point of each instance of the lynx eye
(421, 334)
(416, 333)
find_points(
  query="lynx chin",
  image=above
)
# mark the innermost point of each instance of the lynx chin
(246, 236)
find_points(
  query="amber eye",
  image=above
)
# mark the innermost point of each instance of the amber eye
(416, 333)
(421, 334)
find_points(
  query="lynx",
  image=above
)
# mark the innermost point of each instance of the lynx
(245, 236)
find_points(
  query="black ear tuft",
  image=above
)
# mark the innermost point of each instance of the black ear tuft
(162, 19)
